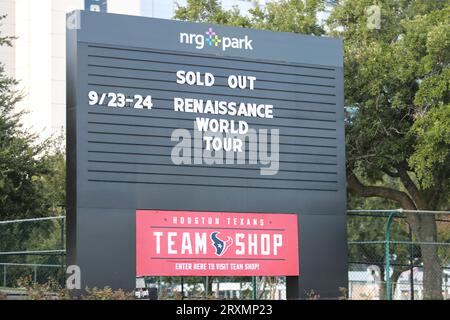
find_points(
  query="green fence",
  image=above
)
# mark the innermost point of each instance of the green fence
(381, 240)
(378, 240)
(32, 248)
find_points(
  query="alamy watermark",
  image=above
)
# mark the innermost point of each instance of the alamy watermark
(73, 281)
(373, 17)
(73, 21)
(254, 147)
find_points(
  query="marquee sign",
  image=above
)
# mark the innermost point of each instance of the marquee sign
(176, 243)
(171, 122)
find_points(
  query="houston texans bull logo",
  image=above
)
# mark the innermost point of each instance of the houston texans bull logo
(220, 245)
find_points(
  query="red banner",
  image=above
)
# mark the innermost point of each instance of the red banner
(187, 243)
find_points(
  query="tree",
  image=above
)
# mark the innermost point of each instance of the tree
(396, 93)
(32, 174)
(27, 166)
(210, 11)
(369, 231)
(287, 16)
(396, 83)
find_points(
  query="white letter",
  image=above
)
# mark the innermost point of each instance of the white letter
(202, 124)
(200, 41)
(208, 142)
(240, 244)
(178, 104)
(232, 81)
(209, 79)
(226, 43)
(252, 82)
(265, 244)
(170, 243)
(181, 79)
(277, 243)
(252, 244)
(248, 43)
(186, 243)
(158, 236)
(184, 38)
(200, 243)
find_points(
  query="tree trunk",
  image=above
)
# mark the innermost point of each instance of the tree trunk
(382, 284)
(263, 291)
(425, 230)
(423, 227)
(382, 291)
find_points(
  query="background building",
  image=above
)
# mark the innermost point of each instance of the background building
(37, 58)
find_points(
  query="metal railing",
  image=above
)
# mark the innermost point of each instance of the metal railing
(33, 266)
(382, 256)
(22, 258)
(379, 240)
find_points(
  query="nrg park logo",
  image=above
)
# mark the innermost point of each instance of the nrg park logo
(212, 39)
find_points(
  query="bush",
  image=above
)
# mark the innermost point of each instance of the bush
(51, 290)
(107, 294)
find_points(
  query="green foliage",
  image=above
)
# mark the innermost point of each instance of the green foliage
(28, 236)
(397, 80)
(289, 16)
(20, 167)
(107, 294)
(53, 184)
(52, 290)
(210, 11)
(32, 180)
(49, 290)
(29, 170)
(286, 16)
(430, 159)
(372, 228)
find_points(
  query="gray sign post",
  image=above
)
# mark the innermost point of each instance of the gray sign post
(132, 82)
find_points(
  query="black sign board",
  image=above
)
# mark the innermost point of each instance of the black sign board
(169, 115)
